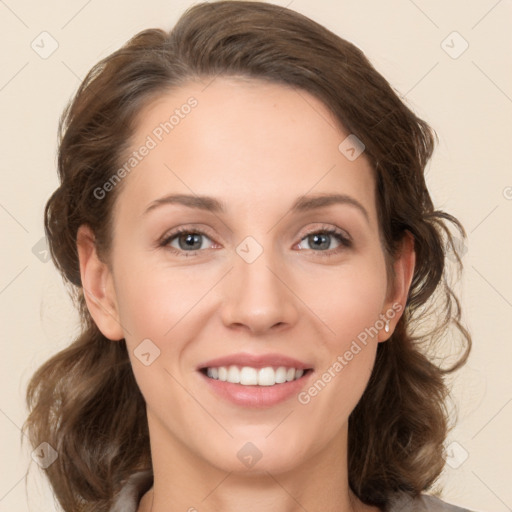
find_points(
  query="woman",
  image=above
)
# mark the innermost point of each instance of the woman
(244, 218)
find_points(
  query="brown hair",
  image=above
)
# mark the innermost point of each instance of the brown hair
(85, 402)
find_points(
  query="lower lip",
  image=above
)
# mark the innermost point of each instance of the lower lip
(257, 396)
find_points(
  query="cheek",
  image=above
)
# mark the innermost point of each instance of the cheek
(152, 298)
(350, 300)
(350, 305)
(351, 311)
(157, 303)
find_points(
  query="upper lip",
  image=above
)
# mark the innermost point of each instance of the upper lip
(255, 361)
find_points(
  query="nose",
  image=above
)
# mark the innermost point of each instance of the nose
(259, 296)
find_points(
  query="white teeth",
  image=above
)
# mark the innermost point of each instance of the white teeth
(223, 373)
(248, 376)
(233, 375)
(266, 376)
(281, 375)
(213, 373)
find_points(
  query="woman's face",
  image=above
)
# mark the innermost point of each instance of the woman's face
(256, 272)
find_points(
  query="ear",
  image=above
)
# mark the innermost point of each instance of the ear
(403, 267)
(98, 286)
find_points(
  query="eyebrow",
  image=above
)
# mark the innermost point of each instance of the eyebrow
(302, 204)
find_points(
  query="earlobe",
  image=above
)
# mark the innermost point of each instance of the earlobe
(403, 273)
(98, 286)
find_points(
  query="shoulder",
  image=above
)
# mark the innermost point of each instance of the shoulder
(422, 503)
(131, 492)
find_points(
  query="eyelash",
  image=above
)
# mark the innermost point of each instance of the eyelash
(339, 235)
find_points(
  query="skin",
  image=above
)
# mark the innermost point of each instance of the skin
(257, 147)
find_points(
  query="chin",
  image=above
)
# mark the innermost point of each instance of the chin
(257, 455)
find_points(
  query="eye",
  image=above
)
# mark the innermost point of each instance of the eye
(187, 242)
(322, 239)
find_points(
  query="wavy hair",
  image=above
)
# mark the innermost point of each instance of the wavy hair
(85, 402)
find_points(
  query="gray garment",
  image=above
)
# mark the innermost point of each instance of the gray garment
(425, 503)
(140, 482)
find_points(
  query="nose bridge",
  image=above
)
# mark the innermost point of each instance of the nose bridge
(256, 295)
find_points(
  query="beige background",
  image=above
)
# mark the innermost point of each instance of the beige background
(467, 99)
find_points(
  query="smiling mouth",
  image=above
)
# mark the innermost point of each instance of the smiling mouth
(256, 377)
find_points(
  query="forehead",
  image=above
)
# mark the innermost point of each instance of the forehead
(247, 141)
